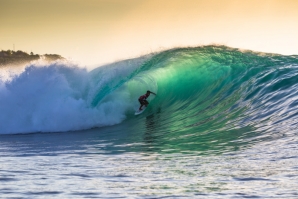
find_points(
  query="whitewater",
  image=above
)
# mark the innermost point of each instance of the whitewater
(223, 124)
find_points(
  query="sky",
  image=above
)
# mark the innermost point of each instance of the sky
(96, 32)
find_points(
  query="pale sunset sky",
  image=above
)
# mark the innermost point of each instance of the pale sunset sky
(95, 32)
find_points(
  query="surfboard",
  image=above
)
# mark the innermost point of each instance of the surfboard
(138, 112)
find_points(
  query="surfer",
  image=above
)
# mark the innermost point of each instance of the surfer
(143, 99)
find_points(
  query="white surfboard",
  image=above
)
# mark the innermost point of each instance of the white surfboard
(138, 112)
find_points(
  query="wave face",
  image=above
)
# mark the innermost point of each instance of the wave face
(207, 96)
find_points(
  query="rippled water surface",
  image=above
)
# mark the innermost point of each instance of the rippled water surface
(89, 165)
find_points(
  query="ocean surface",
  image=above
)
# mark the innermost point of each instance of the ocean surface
(222, 125)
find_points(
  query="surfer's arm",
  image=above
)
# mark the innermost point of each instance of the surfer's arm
(152, 93)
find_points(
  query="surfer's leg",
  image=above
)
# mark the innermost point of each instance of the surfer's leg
(142, 104)
(146, 103)
(141, 107)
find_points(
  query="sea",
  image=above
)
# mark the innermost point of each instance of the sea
(222, 125)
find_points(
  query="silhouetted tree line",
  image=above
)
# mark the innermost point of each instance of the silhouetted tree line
(15, 57)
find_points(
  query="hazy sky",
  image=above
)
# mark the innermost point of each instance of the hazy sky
(93, 32)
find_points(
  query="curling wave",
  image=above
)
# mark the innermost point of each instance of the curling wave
(206, 96)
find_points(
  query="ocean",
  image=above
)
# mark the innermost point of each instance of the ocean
(222, 125)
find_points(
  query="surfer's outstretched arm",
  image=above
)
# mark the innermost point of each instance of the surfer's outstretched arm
(152, 93)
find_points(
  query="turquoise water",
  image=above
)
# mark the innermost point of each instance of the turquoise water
(223, 124)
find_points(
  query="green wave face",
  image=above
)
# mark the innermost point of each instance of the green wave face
(210, 99)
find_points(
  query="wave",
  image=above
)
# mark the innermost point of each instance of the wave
(201, 92)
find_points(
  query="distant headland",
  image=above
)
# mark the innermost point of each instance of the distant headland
(9, 57)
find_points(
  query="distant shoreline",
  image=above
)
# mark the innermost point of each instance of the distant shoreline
(18, 57)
